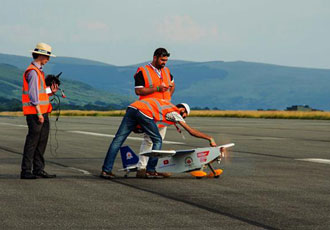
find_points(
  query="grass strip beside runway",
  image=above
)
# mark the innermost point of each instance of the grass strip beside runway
(311, 115)
(314, 115)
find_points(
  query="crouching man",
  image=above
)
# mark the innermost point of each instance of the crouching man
(147, 113)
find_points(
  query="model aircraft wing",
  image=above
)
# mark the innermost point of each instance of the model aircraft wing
(172, 153)
(182, 152)
(226, 145)
(188, 151)
(159, 153)
(129, 168)
(167, 153)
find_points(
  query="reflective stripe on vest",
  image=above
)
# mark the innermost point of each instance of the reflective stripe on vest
(161, 109)
(150, 108)
(40, 91)
(40, 103)
(150, 83)
(161, 124)
(167, 75)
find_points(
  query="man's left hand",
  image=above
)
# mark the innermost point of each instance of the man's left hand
(162, 87)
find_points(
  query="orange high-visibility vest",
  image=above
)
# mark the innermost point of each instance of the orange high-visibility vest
(152, 79)
(156, 109)
(44, 104)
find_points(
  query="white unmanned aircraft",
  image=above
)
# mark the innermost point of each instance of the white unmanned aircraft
(192, 161)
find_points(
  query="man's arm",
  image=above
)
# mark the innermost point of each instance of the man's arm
(39, 114)
(140, 88)
(172, 85)
(146, 91)
(172, 88)
(32, 79)
(196, 133)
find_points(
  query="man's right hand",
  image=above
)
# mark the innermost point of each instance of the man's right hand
(39, 114)
(162, 87)
(41, 119)
(212, 142)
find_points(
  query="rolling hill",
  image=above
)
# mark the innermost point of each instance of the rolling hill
(79, 95)
(225, 85)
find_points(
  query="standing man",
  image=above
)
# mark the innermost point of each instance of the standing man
(36, 107)
(153, 81)
(147, 113)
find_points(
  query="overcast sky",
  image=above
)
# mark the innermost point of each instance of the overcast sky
(124, 32)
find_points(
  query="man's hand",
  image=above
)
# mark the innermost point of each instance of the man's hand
(212, 142)
(196, 133)
(54, 87)
(162, 87)
(41, 118)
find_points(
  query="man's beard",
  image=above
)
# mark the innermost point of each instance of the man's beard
(160, 66)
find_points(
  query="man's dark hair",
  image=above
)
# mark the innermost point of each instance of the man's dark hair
(35, 56)
(161, 52)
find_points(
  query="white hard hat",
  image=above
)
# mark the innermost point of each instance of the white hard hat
(186, 106)
(44, 49)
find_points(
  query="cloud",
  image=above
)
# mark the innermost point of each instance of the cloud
(94, 26)
(90, 31)
(75, 32)
(185, 29)
(16, 32)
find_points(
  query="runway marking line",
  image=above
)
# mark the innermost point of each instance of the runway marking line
(85, 172)
(101, 134)
(130, 138)
(3, 123)
(315, 160)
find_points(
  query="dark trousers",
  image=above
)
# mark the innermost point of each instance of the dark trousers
(35, 144)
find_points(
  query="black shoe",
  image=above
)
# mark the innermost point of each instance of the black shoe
(27, 175)
(44, 174)
(107, 175)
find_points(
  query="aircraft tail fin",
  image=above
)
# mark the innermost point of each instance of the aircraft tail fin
(128, 157)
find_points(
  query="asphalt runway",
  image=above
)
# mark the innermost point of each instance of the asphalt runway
(276, 177)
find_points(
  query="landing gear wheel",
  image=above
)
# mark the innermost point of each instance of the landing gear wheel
(198, 177)
(217, 176)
